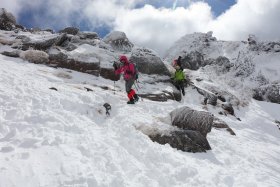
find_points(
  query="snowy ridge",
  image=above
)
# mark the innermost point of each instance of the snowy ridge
(63, 138)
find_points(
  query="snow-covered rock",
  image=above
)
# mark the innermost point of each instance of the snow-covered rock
(70, 30)
(189, 119)
(7, 20)
(118, 41)
(148, 62)
(35, 56)
(184, 140)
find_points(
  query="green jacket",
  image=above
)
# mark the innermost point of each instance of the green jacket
(179, 75)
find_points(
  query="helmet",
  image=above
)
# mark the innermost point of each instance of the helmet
(123, 59)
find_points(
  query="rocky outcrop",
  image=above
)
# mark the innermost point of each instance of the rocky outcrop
(184, 140)
(269, 93)
(118, 41)
(189, 119)
(70, 30)
(148, 62)
(7, 20)
(193, 61)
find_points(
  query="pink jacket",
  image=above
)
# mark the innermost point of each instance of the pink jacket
(128, 70)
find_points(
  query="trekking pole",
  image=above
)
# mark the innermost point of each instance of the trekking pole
(135, 87)
(114, 87)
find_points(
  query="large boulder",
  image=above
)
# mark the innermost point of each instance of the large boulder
(7, 20)
(118, 41)
(270, 93)
(193, 61)
(184, 140)
(148, 62)
(189, 119)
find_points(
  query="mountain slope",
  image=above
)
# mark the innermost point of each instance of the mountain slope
(63, 138)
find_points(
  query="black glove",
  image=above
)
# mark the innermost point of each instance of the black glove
(115, 66)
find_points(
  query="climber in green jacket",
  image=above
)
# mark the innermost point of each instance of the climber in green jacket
(179, 78)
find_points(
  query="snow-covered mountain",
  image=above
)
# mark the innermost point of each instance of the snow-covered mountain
(54, 130)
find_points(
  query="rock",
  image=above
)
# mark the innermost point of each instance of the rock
(209, 97)
(220, 124)
(148, 62)
(40, 44)
(53, 88)
(35, 56)
(118, 41)
(14, 54)
(88, 89)
(109, 73)
(189, 119)
(193, 61)
(184, 140)
(228, 107)
(270, 93)
(88, 35)
(7, 20)
(70, 30)
(56, 55)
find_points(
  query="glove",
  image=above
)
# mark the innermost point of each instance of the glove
(115, 66)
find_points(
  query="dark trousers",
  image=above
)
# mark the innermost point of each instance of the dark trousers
(180, 86)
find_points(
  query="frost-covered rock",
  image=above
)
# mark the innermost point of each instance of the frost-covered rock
(70, 30)
(14, 53)
(228, 107)
(189, 119)
(269, 93)
(42, 44)
(88, 35)
(35, 56)
(7, 20)
(118, 41)
(184, 140)
(210, 98)
(220, 124)
(193, 61)
(148, 62)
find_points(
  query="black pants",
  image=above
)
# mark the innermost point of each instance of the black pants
(180, 86)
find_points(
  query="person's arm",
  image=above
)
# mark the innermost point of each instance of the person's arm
(119, 70)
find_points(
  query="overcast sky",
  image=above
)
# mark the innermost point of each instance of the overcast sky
(155, 24)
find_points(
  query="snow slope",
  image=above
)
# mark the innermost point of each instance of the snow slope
(63, 138)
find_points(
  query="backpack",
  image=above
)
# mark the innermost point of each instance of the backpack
(136, 71)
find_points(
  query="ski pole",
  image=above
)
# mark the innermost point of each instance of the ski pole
(114, 87)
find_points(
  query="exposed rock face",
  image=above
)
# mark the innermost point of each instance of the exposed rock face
(189, 119)
(118, 41)
(7, 20)
(148, 62)
(70, 30)
(185, 140)
(14, 54)
(269, 93)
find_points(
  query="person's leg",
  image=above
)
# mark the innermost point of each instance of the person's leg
(130, 92)
(182, 87)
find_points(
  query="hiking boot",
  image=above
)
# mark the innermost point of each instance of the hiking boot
(136, 98)
(131, 101)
